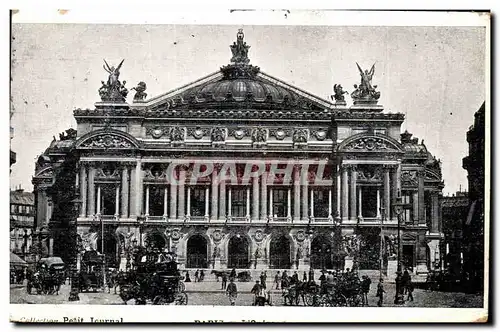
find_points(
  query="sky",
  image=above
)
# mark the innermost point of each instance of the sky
(435, 75)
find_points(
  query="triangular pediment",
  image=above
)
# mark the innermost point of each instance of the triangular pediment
(252, 89)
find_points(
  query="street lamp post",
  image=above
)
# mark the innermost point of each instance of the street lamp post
(73, 295)
(382, 214)
(398, 210)
(140, 219)
(103, 253)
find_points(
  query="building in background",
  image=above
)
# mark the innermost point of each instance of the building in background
(22, 218)
(347, 166)
(473, 243)
(454, 214)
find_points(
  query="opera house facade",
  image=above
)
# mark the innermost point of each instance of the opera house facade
(240, 169)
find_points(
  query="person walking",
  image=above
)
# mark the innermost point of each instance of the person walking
(277, 280)
(257, 292)
(399, 298)
(284, 280)
(187, 277)
(232, 274)
(304, 277)
(224, 281)
(196, 275)
(263, 280)
(404, 282)
(232, 291)
(365, 289)
(409, 289)
(202, 276)
(380, 292)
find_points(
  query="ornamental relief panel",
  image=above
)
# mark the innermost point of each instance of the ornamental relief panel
(369, 173)
(409, 178)
(177, 134)
(320, 134)
(197, 132)
(280, 133)
(158, 131)
(259, 135)
(367, 144)
(300, 135)
(107, 141)
(239, 133)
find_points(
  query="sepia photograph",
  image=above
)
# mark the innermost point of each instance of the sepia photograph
(284, 159)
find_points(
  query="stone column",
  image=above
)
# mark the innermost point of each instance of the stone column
(98, 199)
(133, 193)
(91, 199)
(83, 190)
(415, 207)
(421, 200)
(229, 203)
(117, 200)
(387, 194)
(435, 212)
(173, 200)
(305, 195)
(289, 204)
(378, 203)
(329, 203)
(125, 192)
(248, 203)
(271, 209)
(138, 187)
(207, 202)
(181, 209)
(296, 194)
(360, 208)
(222, 200)
(255, 198)
(165, 203)
(353, 191)
(146, 212)
(263, 187)
(334, 191)
(215, 196)
(312, 203)
(188, 209)
(345, 195)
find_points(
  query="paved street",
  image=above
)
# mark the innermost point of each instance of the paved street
(210, 293)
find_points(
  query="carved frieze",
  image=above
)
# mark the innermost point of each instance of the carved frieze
(280, 133)
(218, 134)
(197, 132)
(367, 144)
(320, 134)
(158, 131)
(239, 133)
(177, 134)
(259, 235)
(300, 135)
(107, 141)
(369, 173)
(259, 135)
(107, 173)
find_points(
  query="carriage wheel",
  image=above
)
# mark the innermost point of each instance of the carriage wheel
(341, 301)
(355, 301)
(181, 298)
(310, 299)
(160, 300)
(181, 287)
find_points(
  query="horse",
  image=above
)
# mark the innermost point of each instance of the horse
(219, 274)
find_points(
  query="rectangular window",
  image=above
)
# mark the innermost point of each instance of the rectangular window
(427, 210)
(407, 198)
(321, 202)
(238, 201)
(12, 209)
(280, 202)
(156, 200)
(198, 201)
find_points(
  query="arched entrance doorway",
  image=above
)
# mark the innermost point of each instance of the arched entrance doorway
(197, 252)
(321, 253)
(238, 253)
(279, 252)
(155, 240)
(110, 250)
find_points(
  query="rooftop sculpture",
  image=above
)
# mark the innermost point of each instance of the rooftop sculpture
(365, 92)
(113, 90)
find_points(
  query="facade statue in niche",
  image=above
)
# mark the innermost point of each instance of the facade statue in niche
(140, 93)
(365, 91)
(339, 93)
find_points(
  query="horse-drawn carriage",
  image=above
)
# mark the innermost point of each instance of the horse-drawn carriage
(91, 272)
(154, 278)
(345, 291)
(48, 276)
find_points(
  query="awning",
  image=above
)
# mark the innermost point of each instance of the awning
(15, 260)
(471, 213)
